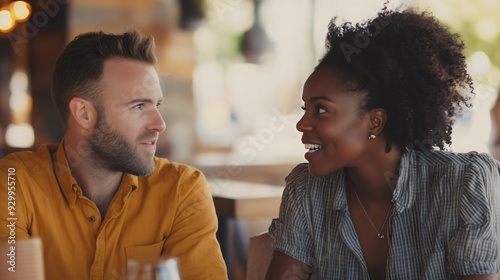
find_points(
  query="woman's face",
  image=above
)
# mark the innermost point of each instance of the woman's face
(334, 130)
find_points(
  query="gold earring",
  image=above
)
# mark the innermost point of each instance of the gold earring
(372, 136)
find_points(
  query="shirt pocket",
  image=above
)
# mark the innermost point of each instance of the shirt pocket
(145, 252)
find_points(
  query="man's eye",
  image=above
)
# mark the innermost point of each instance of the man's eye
(139, 106)
(303, 107)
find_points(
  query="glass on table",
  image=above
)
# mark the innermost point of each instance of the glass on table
(22, 259)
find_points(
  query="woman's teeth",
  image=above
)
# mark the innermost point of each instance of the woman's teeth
(313, 147)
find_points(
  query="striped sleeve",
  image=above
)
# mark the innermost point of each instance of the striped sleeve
(289, 231)
(475, 248)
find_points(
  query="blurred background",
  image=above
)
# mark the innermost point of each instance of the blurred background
(232, 73)
(232, 70)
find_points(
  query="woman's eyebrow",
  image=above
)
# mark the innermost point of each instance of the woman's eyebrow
(312, 99)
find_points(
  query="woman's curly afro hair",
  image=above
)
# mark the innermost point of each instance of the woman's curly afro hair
(410, 65)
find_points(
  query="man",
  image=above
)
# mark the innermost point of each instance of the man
(100, 198)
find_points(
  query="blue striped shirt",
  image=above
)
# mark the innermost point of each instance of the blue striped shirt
(446, 219)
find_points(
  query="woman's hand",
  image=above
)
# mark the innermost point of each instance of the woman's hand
(283, 266)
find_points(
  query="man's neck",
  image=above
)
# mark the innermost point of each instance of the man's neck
(98, 184)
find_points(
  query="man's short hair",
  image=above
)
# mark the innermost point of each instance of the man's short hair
(79, 68)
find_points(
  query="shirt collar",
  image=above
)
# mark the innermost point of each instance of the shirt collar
(69, 186)
(129, 184)
(404, 192)
(340, 201)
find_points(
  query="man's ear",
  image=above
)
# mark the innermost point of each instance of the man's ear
(378, 118)
(83, 112)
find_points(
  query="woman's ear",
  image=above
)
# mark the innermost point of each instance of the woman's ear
(378, 118)
(83, 112)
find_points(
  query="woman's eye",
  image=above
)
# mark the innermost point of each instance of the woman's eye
(319, 110)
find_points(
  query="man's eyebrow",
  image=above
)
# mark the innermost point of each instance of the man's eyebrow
(316, 98)
(144, 100)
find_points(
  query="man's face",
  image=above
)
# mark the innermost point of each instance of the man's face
(128, 122)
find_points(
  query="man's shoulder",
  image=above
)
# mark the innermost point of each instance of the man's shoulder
(167, 167)
(30, 160)
(175, 176)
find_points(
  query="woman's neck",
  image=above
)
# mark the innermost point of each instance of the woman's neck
(375, 180)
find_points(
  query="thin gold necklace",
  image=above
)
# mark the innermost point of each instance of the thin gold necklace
(379, 232)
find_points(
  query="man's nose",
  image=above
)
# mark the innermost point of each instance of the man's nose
(157, 123)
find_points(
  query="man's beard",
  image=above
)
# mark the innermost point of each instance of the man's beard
(113, 152)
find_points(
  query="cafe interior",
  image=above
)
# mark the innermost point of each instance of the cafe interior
(232, 73)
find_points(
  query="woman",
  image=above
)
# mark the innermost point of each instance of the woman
(377, 200)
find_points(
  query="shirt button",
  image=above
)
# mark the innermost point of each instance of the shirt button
(91, 219)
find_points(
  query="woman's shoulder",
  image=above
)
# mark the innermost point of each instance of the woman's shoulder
(437, 157)
(300, 177)
(457, 168)
(298, 173)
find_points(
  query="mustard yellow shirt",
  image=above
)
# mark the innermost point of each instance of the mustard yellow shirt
(169, 214)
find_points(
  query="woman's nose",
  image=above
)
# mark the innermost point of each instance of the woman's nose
(303, 124)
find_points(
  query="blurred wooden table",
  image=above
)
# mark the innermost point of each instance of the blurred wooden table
(246, 200)
(236, 201)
